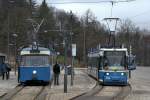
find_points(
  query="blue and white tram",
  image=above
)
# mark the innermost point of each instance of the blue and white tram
(109, 66)
(35, 65)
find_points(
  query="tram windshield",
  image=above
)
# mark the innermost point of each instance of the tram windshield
(114, 58)
(35, 61)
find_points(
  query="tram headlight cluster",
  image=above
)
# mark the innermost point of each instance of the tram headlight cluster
(107, 73)
(122, 74)
(34, 72)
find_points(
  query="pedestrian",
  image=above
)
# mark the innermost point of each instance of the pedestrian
(4, 71)
(0, 69)
(56, 70)
(8, 71)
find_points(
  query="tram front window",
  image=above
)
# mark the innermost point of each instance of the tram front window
(35, 61)
(114, 59)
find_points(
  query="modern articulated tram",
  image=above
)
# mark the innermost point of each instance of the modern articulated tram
(111, 66)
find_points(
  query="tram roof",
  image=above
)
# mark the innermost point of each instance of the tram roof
(98, 52)
(44, 51)
(113, 49)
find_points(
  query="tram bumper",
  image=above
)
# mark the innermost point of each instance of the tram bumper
(115, 80)
(34, 74)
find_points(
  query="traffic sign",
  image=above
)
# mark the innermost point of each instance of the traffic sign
(73, 49)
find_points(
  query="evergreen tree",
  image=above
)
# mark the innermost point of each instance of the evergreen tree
(45, 35)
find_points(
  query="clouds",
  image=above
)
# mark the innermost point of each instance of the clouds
(101, 10)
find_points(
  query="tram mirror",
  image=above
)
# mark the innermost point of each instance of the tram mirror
(131, 63)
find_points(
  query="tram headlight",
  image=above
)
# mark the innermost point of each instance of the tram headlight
(34, 72)
(107, 73)
(122, 74)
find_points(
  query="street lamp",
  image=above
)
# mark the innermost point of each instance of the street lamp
(72, 60)
(64, 35)
(14, 44)
(8, 19)
(65, 63)
(72, 57)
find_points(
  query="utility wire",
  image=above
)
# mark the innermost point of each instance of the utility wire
(141, 14)
(77, 2)
(111, 1)
(147, 22)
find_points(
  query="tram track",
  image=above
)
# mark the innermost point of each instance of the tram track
(26, 93)
(126, 90)
(114, 92)
(105, 92)
(38, 94)
(12, 93)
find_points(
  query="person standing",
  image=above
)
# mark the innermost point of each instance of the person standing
(4, 71)
(8, 71)
(56, 70)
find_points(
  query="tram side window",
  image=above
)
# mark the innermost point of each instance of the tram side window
(90, 62)
(53, 59)
(100, 63)
(94, 62)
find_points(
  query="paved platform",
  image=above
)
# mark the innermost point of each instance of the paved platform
(140, 83)
(7, 85)
(82, 84)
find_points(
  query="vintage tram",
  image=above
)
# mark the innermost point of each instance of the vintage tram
(35, 64)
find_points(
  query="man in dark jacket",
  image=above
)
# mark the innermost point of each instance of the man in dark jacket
(8, 70)
(56, 70)
(4, 71)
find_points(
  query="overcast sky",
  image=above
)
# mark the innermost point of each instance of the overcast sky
(138, 11)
